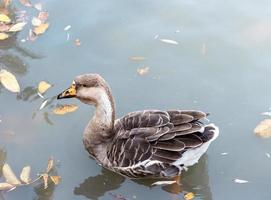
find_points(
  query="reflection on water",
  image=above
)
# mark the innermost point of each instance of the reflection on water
(195, 180)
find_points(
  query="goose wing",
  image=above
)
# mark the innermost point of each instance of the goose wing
(161, 136)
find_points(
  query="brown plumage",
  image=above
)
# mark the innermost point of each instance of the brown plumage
(142, 143)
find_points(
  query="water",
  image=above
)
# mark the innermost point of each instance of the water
(220, 66)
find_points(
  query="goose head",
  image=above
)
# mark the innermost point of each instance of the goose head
(88, 88)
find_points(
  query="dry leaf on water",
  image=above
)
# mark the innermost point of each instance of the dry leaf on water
(263, 129)
(17, 27)
(26, 3)
(63, 109)
(77, 42)
(55, 179)
(36, 21)
(189, 196)
(45, 180)
(169, 41)
(41, 28)
(25, 175)
(43, 16)
(3, 36)
(4, 27)
(9, 175)
(137, 58)
(43, 87)
(143, 71)
(6, 186)
(50, 165)
(4, 18)
(9, 81)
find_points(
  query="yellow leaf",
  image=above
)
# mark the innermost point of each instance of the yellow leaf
(45, 180)
(6, 186)
(41, 28)
(189, 196)
(55, 179)
(9, 81)
(4, 18)
(43, 87)
(17, 27)
(25, 174)
(63, 109)
(263, 129)
(3, 36)
(50, 165)
(9, 175)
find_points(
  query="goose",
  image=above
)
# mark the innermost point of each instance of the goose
(147, 143)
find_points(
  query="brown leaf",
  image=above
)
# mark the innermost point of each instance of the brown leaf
(263, 129)
(50, 165)
(63, 109)
(43, 16)
(25, 175)
(143, 71)
(9, 81)
(6, 186)
(4, 27)
(9, 175)
(55, 179)
(26, 3)
(41, 28)
(45, 180)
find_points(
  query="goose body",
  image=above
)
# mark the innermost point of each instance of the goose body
(148, 143)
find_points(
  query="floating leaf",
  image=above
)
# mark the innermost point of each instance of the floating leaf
(9, 175)
(169, 41)
(77, 42)
(137, 58)
(25, 175)
(50, 165)
(4, 27)
(17, 27)
(55, 179)
(6, 186)
(9, 81)
(240, 181)
(163, 183)
(63, 109)
(43, 87)
(143, 71)
(4, 18)
(26, 3)
(41, 28)
(67, 27)
(43, 16)
(45, 180)
(189, 196)
(263, 129)
(3, 36)
(36, 21)
(43, 104)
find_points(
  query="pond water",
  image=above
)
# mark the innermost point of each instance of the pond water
(221, 65)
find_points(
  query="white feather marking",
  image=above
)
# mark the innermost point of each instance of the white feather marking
(192, 156)
(106, 105)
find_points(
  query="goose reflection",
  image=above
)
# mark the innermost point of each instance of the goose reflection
(195, 180)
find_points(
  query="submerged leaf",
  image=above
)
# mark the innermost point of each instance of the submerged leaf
(263, 129)
(63, 109)
(189, 196)
(9, 175)
(17, 27)
(43, 87)
(25, 174)
(9, 81)
(6, 186)
(4, 18)
(6, 2)
(3, 36)
(55, 179)
(41, 28)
